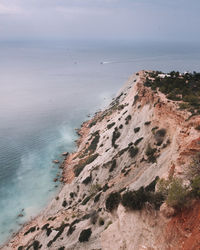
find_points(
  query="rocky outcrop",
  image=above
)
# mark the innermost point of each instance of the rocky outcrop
(141, 136)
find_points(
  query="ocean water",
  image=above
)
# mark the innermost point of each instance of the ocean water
(47, 89)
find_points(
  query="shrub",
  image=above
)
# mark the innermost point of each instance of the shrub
(115, 136)
(101, 221)
(133, 151)
(136, 97)
(82, 163)
(138, 141)
(154, 129)
(150, 153)
(134, 200)
(87, 180)
(64, 204)
(110, 125)
(195, 185)
(93, 217)
(136, 129)
(156, 199)
(163, 186)
(105, 187)
(95, 188)
(147, 123)
(159, 136)
(31, 230)
(97, 197)
(120, 126)
(93, 123)
(194, 168)
(127, 119)
(85, 201)
(94, 143)
(113, 165)
(197, 127)
(113, 201)
(151, 186)
(60, 231)
(85, 235)
(177, 194)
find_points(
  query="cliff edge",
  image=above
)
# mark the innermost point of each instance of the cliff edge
(134, 181)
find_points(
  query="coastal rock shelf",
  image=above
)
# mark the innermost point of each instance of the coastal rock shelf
(120, 185)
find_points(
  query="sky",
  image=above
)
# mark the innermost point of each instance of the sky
(159, 20)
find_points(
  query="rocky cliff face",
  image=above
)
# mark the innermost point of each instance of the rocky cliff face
(140, 138)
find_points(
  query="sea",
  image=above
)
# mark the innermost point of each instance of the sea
(47, 89)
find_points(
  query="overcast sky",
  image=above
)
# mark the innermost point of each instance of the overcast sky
(172, 20)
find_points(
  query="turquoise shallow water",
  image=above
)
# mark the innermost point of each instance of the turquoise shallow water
(46, 90)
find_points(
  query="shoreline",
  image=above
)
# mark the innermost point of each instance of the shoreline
(67, 176)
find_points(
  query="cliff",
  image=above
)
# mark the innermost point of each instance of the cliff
(112, 196)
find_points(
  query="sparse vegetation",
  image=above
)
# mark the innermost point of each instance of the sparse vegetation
(83, 162)
(179, 87)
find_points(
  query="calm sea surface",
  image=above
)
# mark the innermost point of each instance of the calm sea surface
(46, 90)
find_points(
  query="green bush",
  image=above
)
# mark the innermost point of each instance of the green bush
(113, 201)
(85, 235)
(195, 185)
(177, 194)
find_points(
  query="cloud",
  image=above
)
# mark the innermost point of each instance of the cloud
(99, 19)
(9, 9)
